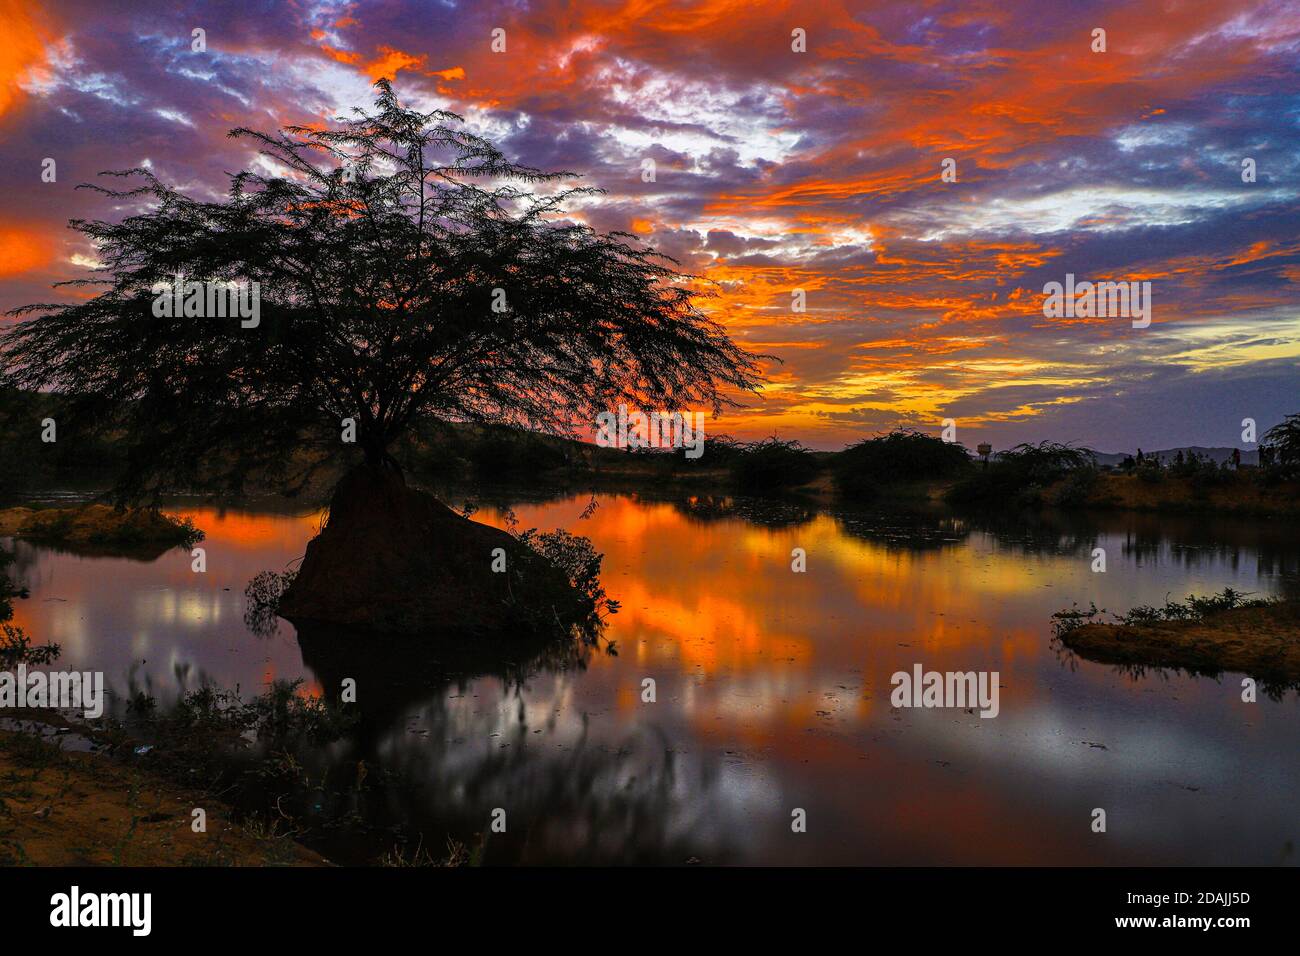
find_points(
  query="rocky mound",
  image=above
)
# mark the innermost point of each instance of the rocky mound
(394, 559)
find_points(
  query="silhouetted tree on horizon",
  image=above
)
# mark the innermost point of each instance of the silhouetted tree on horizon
(380, 248)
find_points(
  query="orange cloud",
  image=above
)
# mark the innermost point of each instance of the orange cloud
(23, 249)
(22, 47)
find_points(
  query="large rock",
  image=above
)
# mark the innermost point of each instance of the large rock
(394, 559)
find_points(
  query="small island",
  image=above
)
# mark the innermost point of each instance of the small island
(1203, 635)
(99, 528)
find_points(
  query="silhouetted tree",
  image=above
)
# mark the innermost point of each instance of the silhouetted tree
(864, 467)
(406, 272)
(1283, 444)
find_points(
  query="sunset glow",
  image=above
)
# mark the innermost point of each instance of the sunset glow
(778, 170)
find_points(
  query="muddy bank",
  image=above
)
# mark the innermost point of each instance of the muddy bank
(61, 808)
(1239, 493)
(1262, 642)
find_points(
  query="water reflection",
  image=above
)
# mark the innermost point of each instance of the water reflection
(771, 687)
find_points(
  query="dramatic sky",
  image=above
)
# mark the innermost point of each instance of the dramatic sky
(779, 170)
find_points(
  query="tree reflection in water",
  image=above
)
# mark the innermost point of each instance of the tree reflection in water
(451, 735)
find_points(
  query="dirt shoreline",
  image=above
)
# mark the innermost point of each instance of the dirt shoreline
(68, 808)
(1181, 495)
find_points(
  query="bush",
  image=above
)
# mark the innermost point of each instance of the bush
(1076, 489)
(1150, 473)
(503, 453)
(1210, 475)
(719, 451)
(1281, 446)
(902, 455)
(1019, 476)
(773, 465)
(579, 561)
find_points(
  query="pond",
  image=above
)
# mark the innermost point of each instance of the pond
(771, 688)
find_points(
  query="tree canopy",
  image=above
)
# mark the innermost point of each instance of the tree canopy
(406, 272)
(1283, 444)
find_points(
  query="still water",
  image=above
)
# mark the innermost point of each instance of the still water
(772, 688)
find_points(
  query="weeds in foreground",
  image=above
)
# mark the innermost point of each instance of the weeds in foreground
(31, 751)
(280, 715)
(457, 855)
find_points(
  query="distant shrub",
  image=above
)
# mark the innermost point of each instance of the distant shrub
(1281, 448)
(1203, 473)
(504, 453)
(902, 455)
(1020, 475)
(1210, 476)
(1075, 491)
(773, 465)
(720, 451)
(1150, 473)
(1045, 462)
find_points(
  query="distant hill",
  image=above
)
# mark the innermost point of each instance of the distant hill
(1216, 455)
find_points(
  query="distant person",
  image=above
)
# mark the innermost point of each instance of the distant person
(1236, 458)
